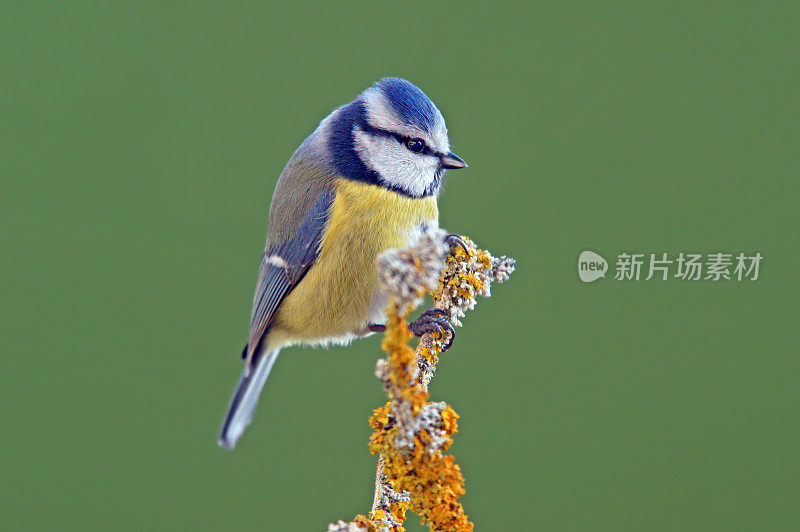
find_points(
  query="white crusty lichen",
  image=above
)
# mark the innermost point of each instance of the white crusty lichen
(407, 274)
(341, 526)
(429, 421)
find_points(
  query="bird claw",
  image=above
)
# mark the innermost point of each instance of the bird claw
(454, 240)
(434, 320)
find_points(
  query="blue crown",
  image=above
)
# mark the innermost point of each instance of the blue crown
(411, 104)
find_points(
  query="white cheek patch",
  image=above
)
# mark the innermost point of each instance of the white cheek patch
(396, 165)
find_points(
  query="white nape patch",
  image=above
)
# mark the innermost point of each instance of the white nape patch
(277, 261)
(397, 165)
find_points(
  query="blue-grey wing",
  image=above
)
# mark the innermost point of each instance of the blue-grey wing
(283, 266)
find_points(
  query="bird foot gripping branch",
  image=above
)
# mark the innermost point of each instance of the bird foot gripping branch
(410, 433)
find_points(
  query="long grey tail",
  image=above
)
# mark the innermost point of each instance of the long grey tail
(244, 400)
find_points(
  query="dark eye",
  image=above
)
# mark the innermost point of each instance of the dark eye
(415, 145)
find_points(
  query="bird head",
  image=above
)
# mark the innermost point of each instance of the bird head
(393, 136)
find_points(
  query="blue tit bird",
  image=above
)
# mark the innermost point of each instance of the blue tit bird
(366, 180)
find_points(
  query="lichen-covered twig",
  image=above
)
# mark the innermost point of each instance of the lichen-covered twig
(410, 432)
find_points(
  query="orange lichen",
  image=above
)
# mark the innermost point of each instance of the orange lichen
(410, 432)
(434, 481)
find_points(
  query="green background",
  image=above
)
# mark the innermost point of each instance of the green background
(140, 145)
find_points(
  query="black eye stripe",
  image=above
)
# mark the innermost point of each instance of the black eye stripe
(402, 139)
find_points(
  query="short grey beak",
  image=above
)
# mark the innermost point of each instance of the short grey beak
(451, 160)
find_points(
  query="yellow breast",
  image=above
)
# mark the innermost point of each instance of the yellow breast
(334, 298)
